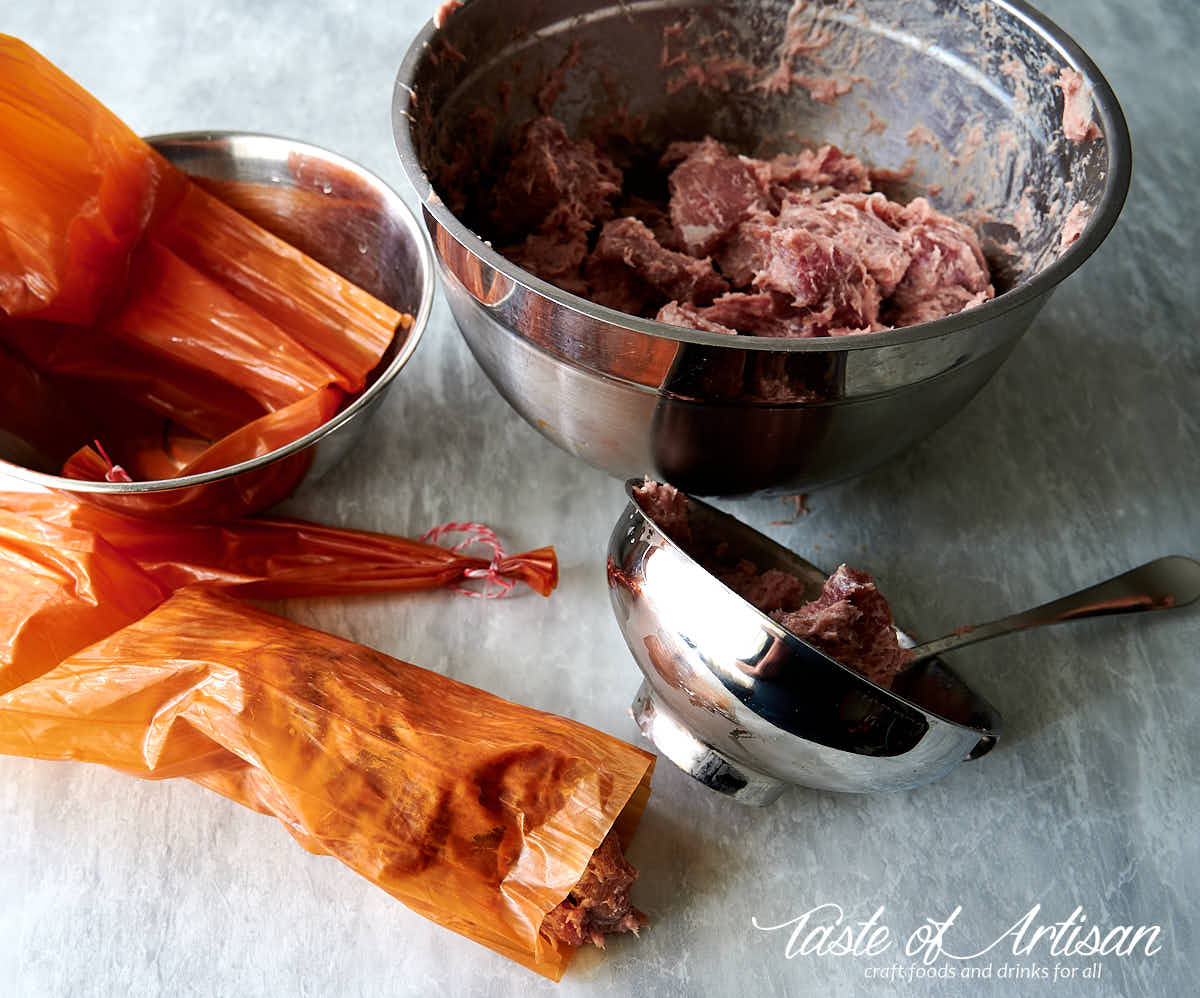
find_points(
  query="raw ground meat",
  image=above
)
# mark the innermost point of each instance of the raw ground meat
(687, 315)
(794, 246)
(850, 620)
(711, 191)
(867, 226)
(599, 903)
(555, 256)
(552, 181)
(747, 249)
(821, 276)
(769, 591)
(812, 169)
(667, 507)
(1077, 123)
(551, 196)
(681, 277)
(947, 272)
(1077, 219)
(760, 314)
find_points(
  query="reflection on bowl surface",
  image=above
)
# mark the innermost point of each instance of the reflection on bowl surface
(964, 95)
(746, 707)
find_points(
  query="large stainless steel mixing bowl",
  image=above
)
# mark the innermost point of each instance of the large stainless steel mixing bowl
(338, 213)
(960, 87)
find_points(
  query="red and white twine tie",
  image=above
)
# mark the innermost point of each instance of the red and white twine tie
(477, 533)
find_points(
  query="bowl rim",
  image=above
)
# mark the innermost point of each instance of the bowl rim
(777, 630)
(1116, 137)
(395, 206)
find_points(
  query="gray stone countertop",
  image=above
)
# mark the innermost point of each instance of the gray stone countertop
(1079, 460)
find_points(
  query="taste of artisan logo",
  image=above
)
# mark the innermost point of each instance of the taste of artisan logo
(825, 931)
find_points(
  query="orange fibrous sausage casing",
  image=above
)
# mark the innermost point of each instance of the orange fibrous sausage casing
(477, 813)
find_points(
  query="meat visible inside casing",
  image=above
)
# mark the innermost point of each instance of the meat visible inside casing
(599, 903)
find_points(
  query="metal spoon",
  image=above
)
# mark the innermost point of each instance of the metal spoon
(1162, 584)
(745, 707)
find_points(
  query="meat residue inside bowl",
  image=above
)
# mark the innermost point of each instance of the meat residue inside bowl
(849, 620)
(799, 245)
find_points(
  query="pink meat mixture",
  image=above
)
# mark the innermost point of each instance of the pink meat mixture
(794, 246)
(599, 903)
(1077, 123)
(850, 620)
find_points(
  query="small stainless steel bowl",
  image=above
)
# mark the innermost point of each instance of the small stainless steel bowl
(958, 87)
(705, 702)
(353, 223)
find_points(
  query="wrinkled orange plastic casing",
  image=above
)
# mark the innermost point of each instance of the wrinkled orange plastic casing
(71, 573)
(153, 306)
(477, 813)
